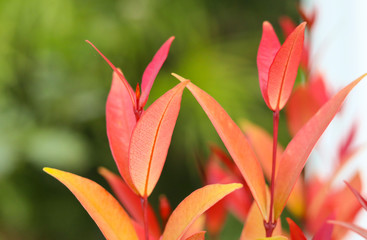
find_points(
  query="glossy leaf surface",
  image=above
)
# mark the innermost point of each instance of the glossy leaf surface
(296, 154)
(193, 206)
(151, 139)
(236, 144)
(152, 70)
(106, 212)
(283, 70)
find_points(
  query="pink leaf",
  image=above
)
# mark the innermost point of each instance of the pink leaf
(354, 228)
(121, 121)
(269, 46)
(152, 70)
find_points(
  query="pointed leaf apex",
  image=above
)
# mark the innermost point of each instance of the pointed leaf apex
(181, 79)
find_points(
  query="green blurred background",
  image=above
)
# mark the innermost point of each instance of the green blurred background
(53, 88)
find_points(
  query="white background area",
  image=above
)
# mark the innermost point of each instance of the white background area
(339, 52)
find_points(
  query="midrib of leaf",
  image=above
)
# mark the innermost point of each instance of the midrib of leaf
(154, 143)
(285, 70)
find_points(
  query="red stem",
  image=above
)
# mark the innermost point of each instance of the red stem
(270, 225)
(144, 205)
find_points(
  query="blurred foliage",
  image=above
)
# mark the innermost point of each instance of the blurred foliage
(53, 88)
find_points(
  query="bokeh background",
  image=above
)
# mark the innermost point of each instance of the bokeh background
(53, 88)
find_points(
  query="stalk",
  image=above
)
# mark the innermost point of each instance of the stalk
(270, 225)
(144, 205)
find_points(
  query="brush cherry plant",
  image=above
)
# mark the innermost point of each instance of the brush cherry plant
(139, 139)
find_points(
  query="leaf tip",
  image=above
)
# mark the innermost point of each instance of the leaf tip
(181, 79)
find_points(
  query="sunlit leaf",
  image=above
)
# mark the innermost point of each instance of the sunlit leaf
(236, 144)
(152, 70)
(131, 202)
(283, 70)
(193, 206)
(151, 139)
(295, 231)
(268, 48)
(296, 154)
(106, 212)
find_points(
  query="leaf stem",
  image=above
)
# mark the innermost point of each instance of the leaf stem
(270, 225)
(144, 205)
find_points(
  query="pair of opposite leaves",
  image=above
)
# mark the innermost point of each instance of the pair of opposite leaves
(281, 67)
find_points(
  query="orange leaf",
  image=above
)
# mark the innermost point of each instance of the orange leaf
(106, 212)
(121, 121)
(152, 70)
(354, 228)
(295, 231)
(151, 139)
(197, 236)
(283, 70)
(197, 226)
(268, 48)
(296, 154)
(131, 201)
(236, 143)
(193, 206)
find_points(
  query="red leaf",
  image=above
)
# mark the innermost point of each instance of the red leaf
(104, 209)
(283, 70)
(295, 231)
(268, 48)
(131, 201)
(121, 121)
(296, 154)
(236, 143)
(152, 70)
(165, 209)
(151, 139)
